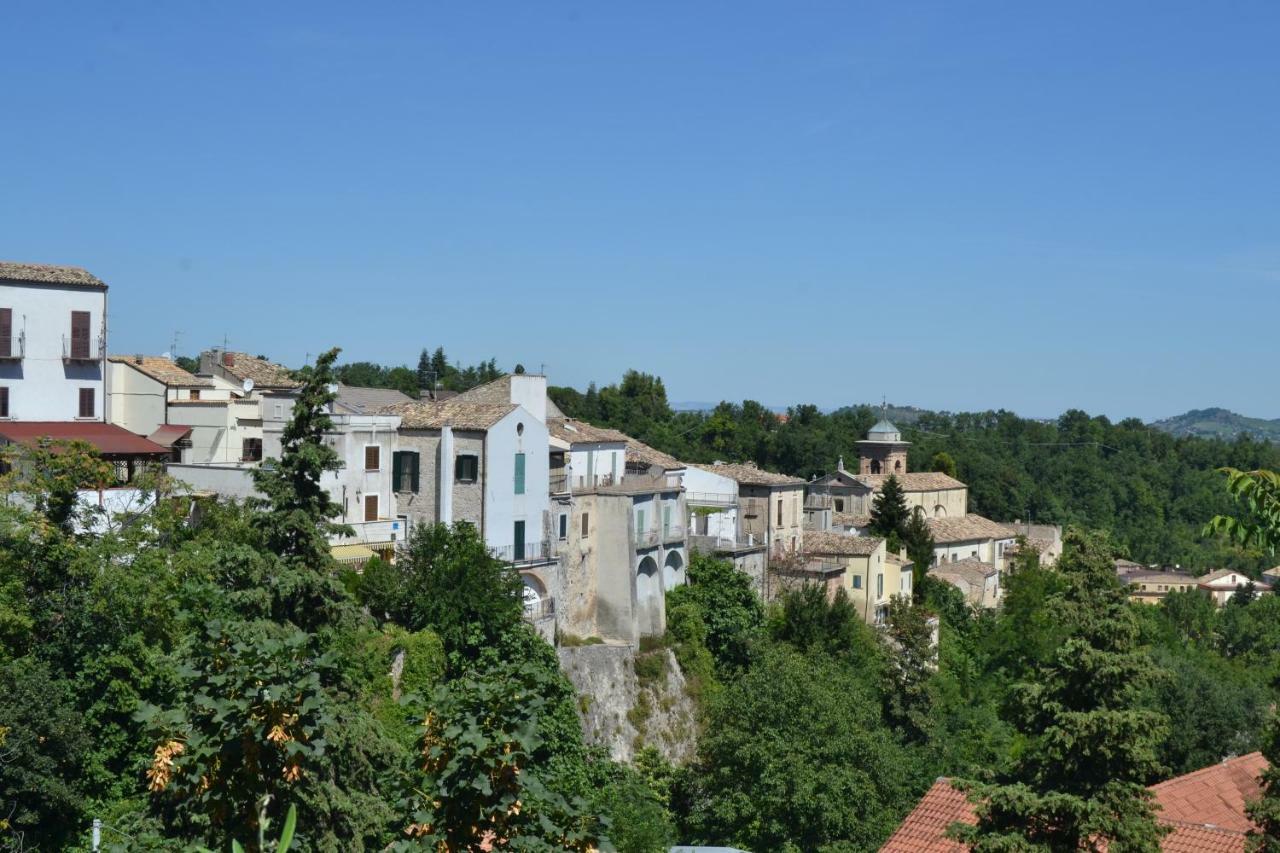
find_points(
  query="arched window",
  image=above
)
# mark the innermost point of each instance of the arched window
(939, 511)
(875, 466)
(673, 571)
(897, 465)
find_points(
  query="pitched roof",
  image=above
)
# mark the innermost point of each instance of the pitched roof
(580, 432)
(454, 413)
(1225, 574)
(499, 391)
(747, 474)
(967, 528)
(642, 455)
(915, 481)
(107, 439)
(163, 370)
(970, 569)
(367, 401)
(1205, 810)
(265, 374)
(826, 543)
(1167, 577)
(848, 518)
(48, 274)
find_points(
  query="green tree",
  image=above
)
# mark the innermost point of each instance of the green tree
(787, 749)
(728, 606)
(918, 540)
(425, 373)
(445, 579)
(912, 660)
(943, 463)
(1091, 746)
(51, 473)
(1257, 493)
(1265, 810)
(889, 514)
(295, 518)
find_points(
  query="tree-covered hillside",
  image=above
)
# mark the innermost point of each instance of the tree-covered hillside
(1152, 491)
(1219, 423)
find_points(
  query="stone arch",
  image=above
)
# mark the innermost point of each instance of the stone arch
(875, 466)
(673, 571)
(648, 598)
(534, 593)
(939, 511)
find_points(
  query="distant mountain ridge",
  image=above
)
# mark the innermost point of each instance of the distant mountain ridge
(1219, 423)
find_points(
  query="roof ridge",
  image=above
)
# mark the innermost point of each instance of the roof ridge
(1212, 767)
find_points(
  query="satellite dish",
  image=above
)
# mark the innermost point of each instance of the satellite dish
(248, 385)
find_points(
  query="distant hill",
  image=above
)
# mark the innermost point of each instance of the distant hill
(1219, 423)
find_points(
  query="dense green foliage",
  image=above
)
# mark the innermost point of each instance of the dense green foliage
(1151, 491)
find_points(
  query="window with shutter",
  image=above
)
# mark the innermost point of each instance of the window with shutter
(397, 470)
(585, 517)
(80, 335)
(413, 472)
(251, 450)
(6, 332)
(86, 403)
(564, 526)
(370, 507)
(466, 468)
(372, 457)
(519, 473)
(4, 402)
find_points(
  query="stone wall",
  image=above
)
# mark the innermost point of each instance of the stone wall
(623, 712)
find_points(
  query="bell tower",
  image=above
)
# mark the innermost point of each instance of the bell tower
(883, 451)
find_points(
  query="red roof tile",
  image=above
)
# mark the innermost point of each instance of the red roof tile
(108, 439)
(1204, 808)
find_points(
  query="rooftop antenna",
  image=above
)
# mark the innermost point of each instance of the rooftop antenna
(173, 347)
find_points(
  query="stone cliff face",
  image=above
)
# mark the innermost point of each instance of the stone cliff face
(628, 700)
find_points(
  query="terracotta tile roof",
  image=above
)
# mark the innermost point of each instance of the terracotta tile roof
(581, 432)
(825, 543)
(967, 528)
(1205, 809)
(424, 414)
(747, 474)
(366, 401)
(1159, 577)
(919, 481)
(970, 569)
(850, 519)
(265, 374)
(642, 455)
(107, 439)
(48, 274)
(162, 370)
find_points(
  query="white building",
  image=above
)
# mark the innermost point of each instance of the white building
(53, 337)
(152, 396)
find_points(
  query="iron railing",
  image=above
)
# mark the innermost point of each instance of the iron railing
(706, 543)
(75, 351)
(711, 499)
(528, 552)
(536, 611)
(8, 352)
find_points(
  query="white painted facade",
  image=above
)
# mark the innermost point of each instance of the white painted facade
(44, 383)
(141, 403)
(987, 550)
(596, 464)
(518, 432)
(712, 500)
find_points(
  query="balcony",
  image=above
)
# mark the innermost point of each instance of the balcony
(711, 499)
(536, 611)
(558, 483)
(724, 544)
(81, 350)
(673, 533)
(13, 348)
(646, 539)
(528, 552)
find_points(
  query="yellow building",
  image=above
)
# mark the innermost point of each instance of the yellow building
(1151, 587)
(871, 576)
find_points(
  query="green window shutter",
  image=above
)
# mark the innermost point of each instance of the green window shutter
(397, 467)
(413, 471)
(666, 520)
(519, 473)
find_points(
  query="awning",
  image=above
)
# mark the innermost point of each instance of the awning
(169, 434)
(352, 553)
(107, 439)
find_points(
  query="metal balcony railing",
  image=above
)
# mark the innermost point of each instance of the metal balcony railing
(711, 544)
(528, 552)
(711, 499)
(13, 347)
(81, 350)
(536, 611)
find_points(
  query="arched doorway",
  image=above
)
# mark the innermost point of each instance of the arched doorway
(648, 598)
(673, 571)
(535, 596)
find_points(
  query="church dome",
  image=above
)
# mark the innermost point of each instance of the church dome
(884, 431)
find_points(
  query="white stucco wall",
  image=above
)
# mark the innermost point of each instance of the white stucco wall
(136, 401)
(349, 486)
(42, 387)
(502, 506)
(596, 463)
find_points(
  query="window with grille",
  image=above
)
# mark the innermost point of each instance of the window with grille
(251, 450)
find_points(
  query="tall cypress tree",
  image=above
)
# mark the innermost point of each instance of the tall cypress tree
(1091, 747)
(424, 371)
(889, 513)
(918, 540)
(297, 516)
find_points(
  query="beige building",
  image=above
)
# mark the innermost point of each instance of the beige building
(978, 580)
(1152, 587)
(871, 576)
(1223, 584)
(970, 537)
(770, 506)
(152, 396)
(619, 513)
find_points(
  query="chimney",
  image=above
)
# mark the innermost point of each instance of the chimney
(840, 464)
(228, 359)
(137, 359)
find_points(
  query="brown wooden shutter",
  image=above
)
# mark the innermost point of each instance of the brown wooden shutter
(4, 402)
(86, 402)
(372, 457)
(6, 332)
(80, 334)
(370, 507)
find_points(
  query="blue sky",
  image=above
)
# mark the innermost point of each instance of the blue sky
(958, 205)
